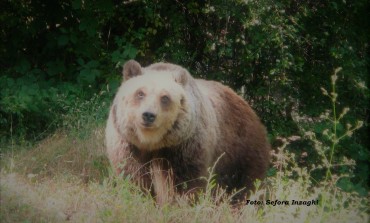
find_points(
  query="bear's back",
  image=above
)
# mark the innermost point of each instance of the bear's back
(242, 136)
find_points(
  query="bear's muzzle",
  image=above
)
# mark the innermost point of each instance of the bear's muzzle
(148, 118)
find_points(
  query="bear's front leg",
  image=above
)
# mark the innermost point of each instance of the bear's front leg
(163, 182)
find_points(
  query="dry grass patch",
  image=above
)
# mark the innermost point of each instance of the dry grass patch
(62, 154)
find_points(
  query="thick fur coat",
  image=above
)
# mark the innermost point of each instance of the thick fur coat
(165, 129)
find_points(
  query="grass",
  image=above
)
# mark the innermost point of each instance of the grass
(67, 177)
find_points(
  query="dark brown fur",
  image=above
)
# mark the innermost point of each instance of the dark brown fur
(248, 154)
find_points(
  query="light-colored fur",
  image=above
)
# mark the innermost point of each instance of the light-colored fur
(203, 120)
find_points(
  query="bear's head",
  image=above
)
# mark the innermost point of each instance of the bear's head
(153, 108)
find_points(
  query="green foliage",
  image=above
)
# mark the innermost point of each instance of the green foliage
(83, 114)
(57, 55)
(331, 141)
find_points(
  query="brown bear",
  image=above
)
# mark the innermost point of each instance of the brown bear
(166, 129)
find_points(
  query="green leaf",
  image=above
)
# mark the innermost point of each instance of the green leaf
(130, 51)
(63, 40)
(76, 4)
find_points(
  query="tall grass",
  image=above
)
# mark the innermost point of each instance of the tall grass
(67, 177)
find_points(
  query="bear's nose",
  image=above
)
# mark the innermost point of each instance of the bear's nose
(149, 117)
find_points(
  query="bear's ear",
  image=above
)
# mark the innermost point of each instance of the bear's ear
(182, 77)
(131, 69)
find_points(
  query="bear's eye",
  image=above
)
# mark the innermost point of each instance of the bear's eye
(140, 94)
(165, 100)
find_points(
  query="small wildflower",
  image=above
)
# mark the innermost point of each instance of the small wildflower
(349, 162)
(334, 96)
(309, 134)
(337, 70)
(361, 85)
(348, 126)
(334, 78)
(359, 124)
(255, 22)
(294, 138)
(324, 91)
(325, 132)
(344, 112)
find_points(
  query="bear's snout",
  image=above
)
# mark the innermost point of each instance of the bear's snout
(149, 118)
